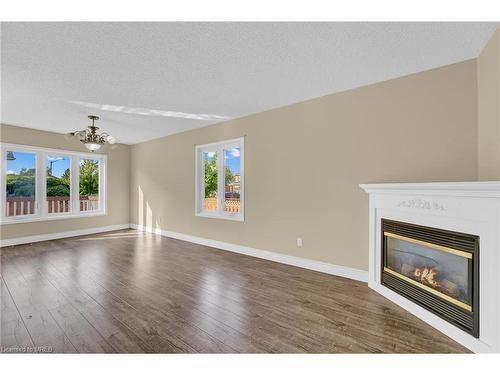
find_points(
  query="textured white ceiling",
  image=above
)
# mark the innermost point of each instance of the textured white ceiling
(148, 80)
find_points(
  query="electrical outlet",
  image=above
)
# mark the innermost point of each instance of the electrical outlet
(299, 242)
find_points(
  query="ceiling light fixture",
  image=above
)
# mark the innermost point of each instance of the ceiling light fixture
(90, 138)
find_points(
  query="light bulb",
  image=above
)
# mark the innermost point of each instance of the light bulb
(93, 146)
(111, 140)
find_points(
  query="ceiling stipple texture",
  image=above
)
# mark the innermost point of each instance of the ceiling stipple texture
(148, 80)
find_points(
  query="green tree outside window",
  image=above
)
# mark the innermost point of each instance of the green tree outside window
(211, 177)
(89, 177)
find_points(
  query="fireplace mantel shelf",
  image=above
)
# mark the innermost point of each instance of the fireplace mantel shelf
(465, 189)
(472, 208)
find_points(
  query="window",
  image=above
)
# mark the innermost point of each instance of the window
(44, 184)
(58, 191)
(20, 186)
(211, 181)
(219, 180)
(232, 179)
(89, 185)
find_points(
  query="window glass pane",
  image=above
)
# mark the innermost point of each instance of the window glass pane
(232, 179)
(210, 183)
(58, 184)
(89, 185)
(20, 183)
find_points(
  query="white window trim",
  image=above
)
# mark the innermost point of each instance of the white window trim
(41, 206)
(199, 179)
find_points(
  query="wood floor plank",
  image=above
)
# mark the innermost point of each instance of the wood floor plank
(110, 333)
(298, 340)
(201, 340)
(31, 303)
(13, 331)
(351, 345)
(143, 296)
(129, 291)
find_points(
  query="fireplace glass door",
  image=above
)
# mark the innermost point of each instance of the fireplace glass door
(439, 270)
(436, 268)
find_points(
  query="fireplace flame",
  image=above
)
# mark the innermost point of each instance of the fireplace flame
(426, 276)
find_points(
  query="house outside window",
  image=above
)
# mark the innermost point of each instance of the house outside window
(219, 180)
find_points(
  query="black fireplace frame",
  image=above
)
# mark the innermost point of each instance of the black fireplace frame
(466, 320)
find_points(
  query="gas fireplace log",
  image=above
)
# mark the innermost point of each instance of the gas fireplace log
(407, 269)
(460, 279)
(449, 287)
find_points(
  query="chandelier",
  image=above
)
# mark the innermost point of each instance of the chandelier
(90, 138)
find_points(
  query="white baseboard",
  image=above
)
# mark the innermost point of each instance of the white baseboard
(332, 269)
(55, 236)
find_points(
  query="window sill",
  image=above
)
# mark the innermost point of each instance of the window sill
(33, 219)
(238, 217)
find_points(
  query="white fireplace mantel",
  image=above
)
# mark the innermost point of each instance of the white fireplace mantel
(467, 207)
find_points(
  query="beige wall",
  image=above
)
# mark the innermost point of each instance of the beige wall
(118, 184)
(488, 80)
(303, 164)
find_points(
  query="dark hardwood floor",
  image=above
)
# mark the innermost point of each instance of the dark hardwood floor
(133, 292)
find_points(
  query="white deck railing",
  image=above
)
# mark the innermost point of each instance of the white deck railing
(18, 206)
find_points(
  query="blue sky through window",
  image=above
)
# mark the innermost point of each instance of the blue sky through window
(23, 160)
(59, 164)
(28, 160)
(209, 155)
(232, 159)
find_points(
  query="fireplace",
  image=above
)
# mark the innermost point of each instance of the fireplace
(435, 268)
(468, 217)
